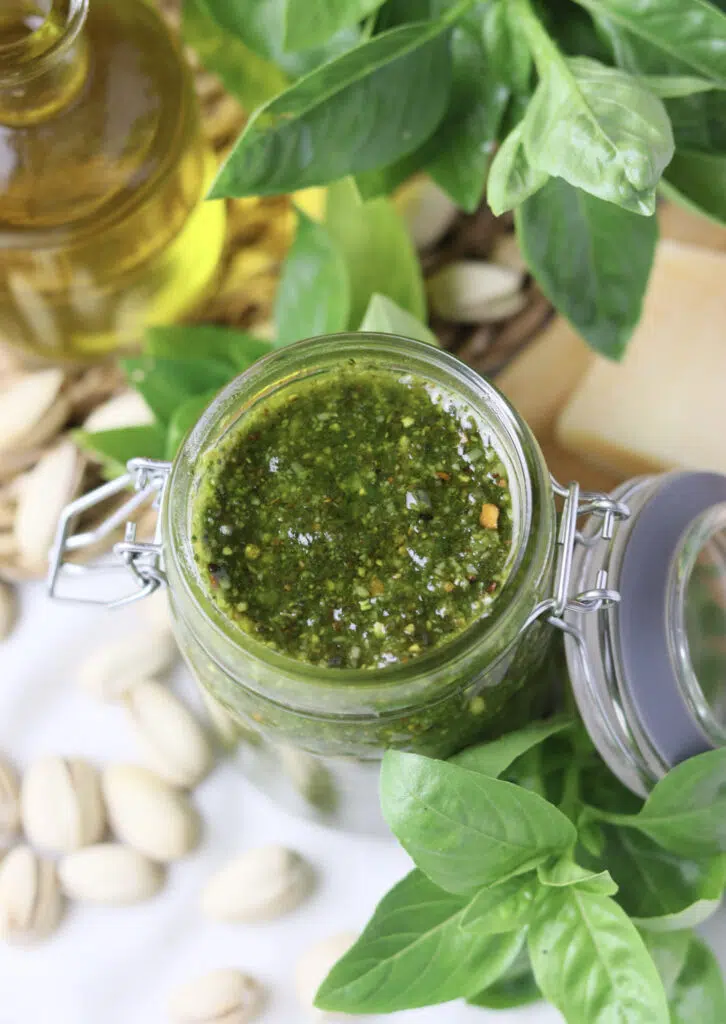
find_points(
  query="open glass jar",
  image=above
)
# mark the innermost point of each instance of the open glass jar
(313, 736)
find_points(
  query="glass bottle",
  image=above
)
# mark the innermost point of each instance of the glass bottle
(103, 172)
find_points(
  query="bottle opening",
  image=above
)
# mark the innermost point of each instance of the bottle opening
(696, 618)
(31, 30)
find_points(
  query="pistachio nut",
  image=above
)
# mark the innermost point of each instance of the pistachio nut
(149, 814)
(314, 966)
(31, 902)
(259, 885)
(109, 671)
(174, 744)
(224, 996)
(8, 609)
(61, 804)
(9, 802)
(44, 492)
(472, 291)
(109, 873)
(25, 409)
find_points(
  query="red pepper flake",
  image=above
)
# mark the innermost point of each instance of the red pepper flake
(492, 587)
(443, 476)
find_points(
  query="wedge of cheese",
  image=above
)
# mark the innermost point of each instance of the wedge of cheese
(664, 406)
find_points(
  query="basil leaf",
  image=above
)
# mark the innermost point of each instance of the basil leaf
(244, 73)
(669, 951)
(512, 178)
(516, 987)
(507, 51)
(464, 141)
(682, 33)
(114, 448)
(563, 872)
(502, 908)
(657, 889)
(385, 317)
(377, 250)
(600, 130)
(574, 245)
(206, 342)
(259, 25)
(167, 383)
(313, 296)
(699, 122)
(699, 993)
(313, 22)
(591, 963)
(466, 830)
(413, 953)
(686, 812)
(183, 420)
(698, 181)
(496, 756)
(675, 86)
(362, 110)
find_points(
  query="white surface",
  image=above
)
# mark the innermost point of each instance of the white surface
(117, 966)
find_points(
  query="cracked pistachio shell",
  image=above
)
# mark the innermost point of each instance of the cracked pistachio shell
(258, 885)
(31, 903)
(61, 803)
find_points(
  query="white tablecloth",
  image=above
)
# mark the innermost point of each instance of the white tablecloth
(117, 966)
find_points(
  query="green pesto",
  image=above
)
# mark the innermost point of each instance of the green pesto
(341, 522)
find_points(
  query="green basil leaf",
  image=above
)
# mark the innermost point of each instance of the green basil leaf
(669, 951)
(699, 993)
(698, 181)
(466, 830)
(183, 420)
(686, 811)
(166, 384)
(313, 296)
(516, 987)
(413, 953)
(464, 141)
(496, 756)
(259, 25)
(114, 448)
(601, 131)
(574, 245)
(699, 122)
(385, 317)
(591, 963)
(248, 76)
(206, 342)
(377, 250)
(563, 871)
(313, 22)
(675, 86)
(502, 908)
(659, 890)
(682, 33)
(362, 110)
(512, 178)
(508, 55)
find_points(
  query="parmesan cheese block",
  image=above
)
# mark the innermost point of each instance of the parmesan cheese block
(664, 406)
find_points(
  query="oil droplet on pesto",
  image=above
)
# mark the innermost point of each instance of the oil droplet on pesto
(354, 520)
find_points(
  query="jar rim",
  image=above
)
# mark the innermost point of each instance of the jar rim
(531, 479)
(41, 62)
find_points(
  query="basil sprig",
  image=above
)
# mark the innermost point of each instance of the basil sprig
(530, 874)
(603, 100)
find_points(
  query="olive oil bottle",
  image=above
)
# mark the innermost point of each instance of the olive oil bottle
(103, 172)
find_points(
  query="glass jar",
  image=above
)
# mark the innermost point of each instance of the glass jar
(103, 173)
(313, 736)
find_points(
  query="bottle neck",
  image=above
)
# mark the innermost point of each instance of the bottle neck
(43, 58)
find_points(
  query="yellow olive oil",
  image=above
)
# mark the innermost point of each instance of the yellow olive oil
(103, 172)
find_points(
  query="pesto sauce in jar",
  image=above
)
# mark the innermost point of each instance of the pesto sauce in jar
(354, 520)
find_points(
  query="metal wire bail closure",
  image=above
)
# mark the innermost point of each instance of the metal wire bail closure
(600, 596)
(147, 478)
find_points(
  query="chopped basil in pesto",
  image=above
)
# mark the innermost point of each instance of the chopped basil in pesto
(354, 520)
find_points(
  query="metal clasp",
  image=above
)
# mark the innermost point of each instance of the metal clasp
(143, 560)
(579, 503)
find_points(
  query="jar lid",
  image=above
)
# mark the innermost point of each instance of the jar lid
(671, 569)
